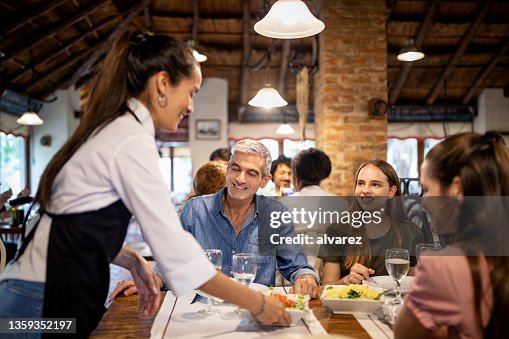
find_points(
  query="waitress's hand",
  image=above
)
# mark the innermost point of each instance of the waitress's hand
(358, 273)
(125, 288)
(144, 278)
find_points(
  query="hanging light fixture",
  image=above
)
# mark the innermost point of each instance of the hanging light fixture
(193, 43)
(410, 52)
(289, 19)
(30, 118)
(284, 129)
(267, 97)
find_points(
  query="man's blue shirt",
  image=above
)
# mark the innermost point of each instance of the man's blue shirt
(205, 218)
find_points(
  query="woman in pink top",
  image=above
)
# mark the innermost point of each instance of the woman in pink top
(463, 292)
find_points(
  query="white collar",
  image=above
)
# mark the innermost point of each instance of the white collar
(143, 114)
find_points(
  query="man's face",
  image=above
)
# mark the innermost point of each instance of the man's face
(283, 176)
(245, 176)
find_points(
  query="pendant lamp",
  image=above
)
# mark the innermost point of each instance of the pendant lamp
(267, 97)
(30, 118)
(410, 52)
(289, 19)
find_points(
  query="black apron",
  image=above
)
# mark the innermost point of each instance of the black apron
(81, 247)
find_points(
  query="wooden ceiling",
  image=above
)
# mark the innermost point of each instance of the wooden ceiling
(50, 44)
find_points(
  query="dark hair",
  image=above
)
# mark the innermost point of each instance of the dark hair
(133, 59)
(482, 164)
(394, 209)
(280, 160)
(221, 153)
(311, 166)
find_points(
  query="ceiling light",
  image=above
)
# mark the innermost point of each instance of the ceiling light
(267, 97)
(289, 19)
(198, 56)
(30, 118)
(285, 129)
(410, 52)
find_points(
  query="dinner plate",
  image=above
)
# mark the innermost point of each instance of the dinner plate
(386, 282)
(295, 315)
(254, 286)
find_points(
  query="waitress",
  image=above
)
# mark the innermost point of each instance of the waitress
(105, 172)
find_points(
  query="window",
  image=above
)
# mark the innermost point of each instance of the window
(176, 169)
(291, 147)
(402, 155)
(13, 162)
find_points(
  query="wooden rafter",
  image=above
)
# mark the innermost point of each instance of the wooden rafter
(485, 72)
(68, 45)
(31, 15)
(467, 38)
(85, 68)
(285, 58)
(20, 45)
(246, 50)
(405, 68)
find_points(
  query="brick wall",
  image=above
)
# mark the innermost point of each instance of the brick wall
(353, 70)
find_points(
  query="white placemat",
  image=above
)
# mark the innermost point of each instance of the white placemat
(179, 317)
(375, 328)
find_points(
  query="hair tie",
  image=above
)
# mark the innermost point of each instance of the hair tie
(137, 38)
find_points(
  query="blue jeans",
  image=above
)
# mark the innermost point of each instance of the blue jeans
(21, 299)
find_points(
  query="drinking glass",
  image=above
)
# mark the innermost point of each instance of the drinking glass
(397, 262)
(421, 248)
(216, 258)
(244, 269)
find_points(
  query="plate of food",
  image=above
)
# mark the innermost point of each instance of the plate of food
(297, 305)
(387, 283)
(349, 299)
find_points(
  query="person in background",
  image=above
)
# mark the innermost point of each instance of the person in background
(221, 155)
(376, 189)
(309, 168)
(229, 220)
(105, 172)
(462, 291)
(209, 179)
(281, 172)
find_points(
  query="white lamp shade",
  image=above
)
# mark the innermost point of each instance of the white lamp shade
(289, 19)
(268, 97)
(410, 52)
(198, 56)
(30, 118)
(410, 56)
(285, 129)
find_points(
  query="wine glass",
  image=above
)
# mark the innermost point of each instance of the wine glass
(216, 258)
(244, 269)
(397, 262)
(421, 248)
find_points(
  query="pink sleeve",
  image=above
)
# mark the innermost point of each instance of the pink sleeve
(441, 292)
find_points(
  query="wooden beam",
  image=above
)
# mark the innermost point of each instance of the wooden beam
(59, 68)
(31, 14)
(68, 45)
(486, 71)
(246, 51)
(21, 45)
(283, 68)
(85, 68)
(196, 20)
(459, 52)
(405, 68)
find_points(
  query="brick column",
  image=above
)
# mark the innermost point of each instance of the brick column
(353, 70)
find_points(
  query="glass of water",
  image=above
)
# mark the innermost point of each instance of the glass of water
(397, 262)
(244, 269)
(216, 258)
(426, 249)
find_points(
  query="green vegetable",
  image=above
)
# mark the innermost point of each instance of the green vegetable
(353, 294)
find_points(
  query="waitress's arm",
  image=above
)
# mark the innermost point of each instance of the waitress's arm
(144, 278)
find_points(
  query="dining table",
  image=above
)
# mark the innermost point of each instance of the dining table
(123, 319)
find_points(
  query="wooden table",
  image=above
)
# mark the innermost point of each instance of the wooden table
(9, 229)
(123, 319)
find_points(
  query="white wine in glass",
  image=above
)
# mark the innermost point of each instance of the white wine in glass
(216, 258)
(397, 262)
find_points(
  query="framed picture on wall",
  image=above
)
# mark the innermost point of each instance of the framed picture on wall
(208, 129)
